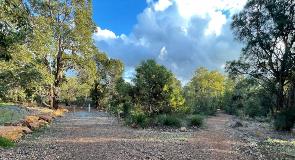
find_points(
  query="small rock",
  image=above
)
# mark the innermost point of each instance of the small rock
(42, 122)
(27, 130)
(183, 129)
(236, 124)
(31, 119)
(133, 125)
(46, 118)
(34, 125)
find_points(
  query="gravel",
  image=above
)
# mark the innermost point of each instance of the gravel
(96, 135)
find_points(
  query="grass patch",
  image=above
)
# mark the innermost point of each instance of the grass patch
(38, 132)
(4, 104)
(138, 118)
(196, 120)
(9, 116)
(169, 120)
(6, 143)
(285, 149)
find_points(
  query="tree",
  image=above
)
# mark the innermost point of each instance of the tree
(205, 90)
(75, 92)
(267, 28)
(156, 88)
(21, 79)
(70, 28)
(121, 103)
(247, 98)
(108, 71)
(14, 25)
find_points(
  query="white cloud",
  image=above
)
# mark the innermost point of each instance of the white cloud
(103, 34)
(209, 9)
(163, 53)
(195, 33)
(162, 5)
(203, 8)
(216, 23)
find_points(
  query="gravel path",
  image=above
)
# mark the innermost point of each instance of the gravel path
(95, 135)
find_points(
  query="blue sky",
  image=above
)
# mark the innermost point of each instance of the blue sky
(118, 16)
(179, 34)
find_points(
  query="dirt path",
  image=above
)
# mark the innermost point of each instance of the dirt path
(95, 135)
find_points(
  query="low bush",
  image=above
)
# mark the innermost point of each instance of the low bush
(138, 118)
(169, 120)
(284, 121)
(7, 115)
(196, 120)
(6, 143)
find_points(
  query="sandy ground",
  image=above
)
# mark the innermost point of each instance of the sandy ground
(95, 135)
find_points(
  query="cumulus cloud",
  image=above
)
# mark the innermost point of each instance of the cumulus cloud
(103, 34)
(180, 34)
(162, 5)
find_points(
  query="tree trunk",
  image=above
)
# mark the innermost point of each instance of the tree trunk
(291, 96)
(51, 97)
(58, 74)
(280, 98)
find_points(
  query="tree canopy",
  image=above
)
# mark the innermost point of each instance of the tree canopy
(156, 88)
(267, 29)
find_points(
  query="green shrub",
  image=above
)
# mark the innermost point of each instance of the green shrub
(6, 143)
(7, 115)
(169, 120)
(284, 121)
(206, 106)
(196, 120)
(138, 118)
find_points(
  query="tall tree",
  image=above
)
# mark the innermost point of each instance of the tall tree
(70, 25)
(156, 88)
(204, 91)
(108, 72)
(14, 25)
(267, 28)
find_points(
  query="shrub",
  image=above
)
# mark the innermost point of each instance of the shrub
(138, 118)
(284, 121)
(169, 120)
(196, 120)
(6, 143)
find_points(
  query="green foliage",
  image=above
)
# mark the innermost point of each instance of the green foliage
(4, 104)
(205, 91)
(138, 118)
(248, 98)
(6, 143)
(61, 41)
(108, 72)
(285, 120)
(169, 120)
(157, 89)
(121, 102)
(268, 55)
(15, 26)
(196, 120)
(74, 92)
(7, 115)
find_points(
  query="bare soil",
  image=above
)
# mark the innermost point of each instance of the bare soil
(96, 135)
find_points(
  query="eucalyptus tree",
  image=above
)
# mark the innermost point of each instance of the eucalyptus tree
(68, 29)
(156, 89)
(268, 30)
(108, 72)
(205, 91)
(15, 25)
